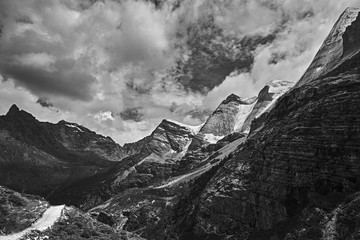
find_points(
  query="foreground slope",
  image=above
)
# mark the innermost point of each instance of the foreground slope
(30, 217)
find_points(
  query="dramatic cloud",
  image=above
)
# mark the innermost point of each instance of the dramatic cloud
(119, 67)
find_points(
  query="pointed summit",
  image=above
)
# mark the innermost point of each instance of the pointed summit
(338, 49)
(232, 97)
(235, 98)
(13, 110)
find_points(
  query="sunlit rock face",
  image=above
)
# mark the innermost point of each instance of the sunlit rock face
(170, 138)
(301, 159)
(341, 45)
(235, 114)
(224, 120)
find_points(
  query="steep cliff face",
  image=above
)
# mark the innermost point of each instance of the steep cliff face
(226, 118)
(341, 45)
(223, 120)
(168, 141)
(302, 162)
(170, 138)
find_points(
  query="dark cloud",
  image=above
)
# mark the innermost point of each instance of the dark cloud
(44, 102)
(133, 114)
(276, 57)
(73, 84)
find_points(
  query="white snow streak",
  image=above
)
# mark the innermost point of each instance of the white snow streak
(74, 126)
(193, 129)
(186, 177)
(211, 138)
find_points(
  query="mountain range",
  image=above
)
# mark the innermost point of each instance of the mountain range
(281, 165)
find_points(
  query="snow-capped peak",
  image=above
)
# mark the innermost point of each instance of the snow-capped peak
(193, 129)
(279, 86)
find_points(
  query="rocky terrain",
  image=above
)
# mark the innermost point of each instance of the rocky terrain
(299, 166)
(281, 165)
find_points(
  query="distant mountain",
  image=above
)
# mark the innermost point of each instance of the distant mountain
(37, 157)
(168, 141)
(235, 114)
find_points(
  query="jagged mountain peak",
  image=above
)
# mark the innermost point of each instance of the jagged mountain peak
(193, 129)
(235, 98)
(13, 109)
(278, 84)
(170, 136)
(342, 43)
(15, 112)
(266, 99)
(75, 126)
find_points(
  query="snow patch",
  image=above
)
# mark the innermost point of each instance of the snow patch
(153, 158)
(211, 138)
(102, 206)
(74, 126)
(193, 129)
(278, 87)
(244, 112)
(318, 69)
(186, 177)
(127, 172)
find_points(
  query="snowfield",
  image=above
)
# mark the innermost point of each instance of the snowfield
(49, 217)
(186, 177)
(211, 138)
(193, 129)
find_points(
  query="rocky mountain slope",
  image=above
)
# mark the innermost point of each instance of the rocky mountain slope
(37, 157)
(297, 175)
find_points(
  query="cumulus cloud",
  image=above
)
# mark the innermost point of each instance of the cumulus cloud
(119, 67)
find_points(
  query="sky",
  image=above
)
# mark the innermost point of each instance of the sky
(118, 67)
